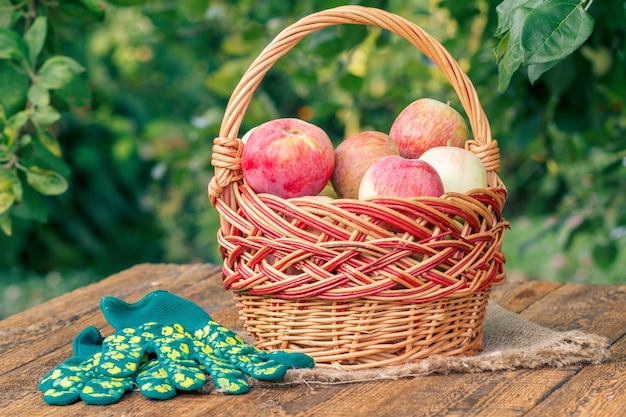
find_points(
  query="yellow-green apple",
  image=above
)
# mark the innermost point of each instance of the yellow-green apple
(460, 170)
(329, 191)
(427, 123)
(287, 157)
(354, 156)
(394, 176)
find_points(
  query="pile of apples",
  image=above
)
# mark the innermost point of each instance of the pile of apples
(422, 155)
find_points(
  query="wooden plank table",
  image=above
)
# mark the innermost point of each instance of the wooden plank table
(35, 341)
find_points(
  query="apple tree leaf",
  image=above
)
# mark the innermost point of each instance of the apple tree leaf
(45, 181)
(605, 253)
(510, 51)
(554, 30)
(7, 196)
(35, 37)
(536, 70)
(76, 93)
(14, 84)
(49, 141)
(506, 11)
(57, 71)
(6, 224)
(11, 45)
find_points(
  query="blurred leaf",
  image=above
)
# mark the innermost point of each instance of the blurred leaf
(7, 197)
(49, 142)
(126, 3)
(224, 79)
(326, 44)
(5, 224)
(33, 207)
(11, 45)
(555, 29)
(46, 115)
(6, 13)
(16, 122)
(14, 84)
(605, 253)
(5, 155)
(57, 71)
(351, 83)
(45, 181)
(35, 37)
(191, 8)
(38, 95)
(76, 93)
(10, 181)
(88, 10)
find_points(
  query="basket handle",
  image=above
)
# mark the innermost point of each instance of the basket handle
(227, 149)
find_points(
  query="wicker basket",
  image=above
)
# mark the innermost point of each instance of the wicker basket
(360, 284)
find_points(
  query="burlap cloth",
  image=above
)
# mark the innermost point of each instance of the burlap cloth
(509, 342)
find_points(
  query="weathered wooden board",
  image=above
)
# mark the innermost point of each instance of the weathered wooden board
(33, 342)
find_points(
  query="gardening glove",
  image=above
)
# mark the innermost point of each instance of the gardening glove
(188, 345)
(77, 378)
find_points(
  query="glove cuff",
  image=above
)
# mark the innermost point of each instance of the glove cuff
(87, 343)
(157, 306)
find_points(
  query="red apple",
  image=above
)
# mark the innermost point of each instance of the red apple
(460, 170)
(394, 176)
(427, 123)
(288, 158)
(354, 156)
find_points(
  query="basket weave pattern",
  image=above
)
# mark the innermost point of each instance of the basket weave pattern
(354, 283)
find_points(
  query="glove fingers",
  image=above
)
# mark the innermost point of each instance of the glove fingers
(124, 350)
(104, 390)
(120, 363)
(62, 385)
(153, 381)
(292, 359)
(185, 374)
(55, 396)
(253, 363)
(173, 353)
(226, 377)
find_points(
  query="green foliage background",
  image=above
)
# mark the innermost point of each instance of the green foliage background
(129, 131)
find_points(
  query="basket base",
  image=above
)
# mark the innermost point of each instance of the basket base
(363, 333)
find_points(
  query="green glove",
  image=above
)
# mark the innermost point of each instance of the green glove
(188, 344)
(77, 378)
(169, 345)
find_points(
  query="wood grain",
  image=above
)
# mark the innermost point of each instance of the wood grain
(33, 342)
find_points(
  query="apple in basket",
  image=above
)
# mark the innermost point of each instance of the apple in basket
(394, 176)
(287, 157)
(354, 156)
(427, 123)
(460, 170)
